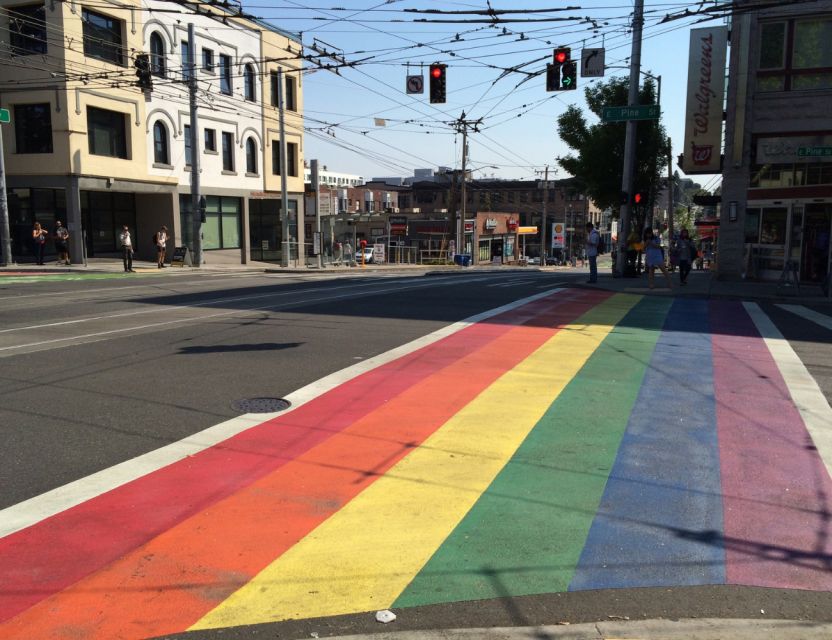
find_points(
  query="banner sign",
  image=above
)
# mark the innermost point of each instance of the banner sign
(706, 88)
(558, 233)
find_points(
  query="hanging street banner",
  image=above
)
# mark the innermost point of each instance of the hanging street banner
(706, 88)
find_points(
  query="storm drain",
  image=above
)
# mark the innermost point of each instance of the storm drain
(260, 405)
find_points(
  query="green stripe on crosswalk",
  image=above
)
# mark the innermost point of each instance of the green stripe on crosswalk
(526, 532)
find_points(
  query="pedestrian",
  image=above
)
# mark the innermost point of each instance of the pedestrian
(686, 254)
(348, 253)
(39, 235)
(62, 242)
(592, 240)
(161, 241)
(126, 249)
(654, 258)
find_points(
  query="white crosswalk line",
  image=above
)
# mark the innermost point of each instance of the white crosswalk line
(814, 316)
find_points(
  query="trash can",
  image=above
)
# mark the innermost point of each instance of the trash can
(463, 260)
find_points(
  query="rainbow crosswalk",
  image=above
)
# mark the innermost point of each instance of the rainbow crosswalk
(580, 440)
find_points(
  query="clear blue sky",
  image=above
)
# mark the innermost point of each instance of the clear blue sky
(518, 131)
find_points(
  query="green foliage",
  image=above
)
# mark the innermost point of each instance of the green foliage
(599, 148)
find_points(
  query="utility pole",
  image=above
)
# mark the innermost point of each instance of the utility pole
(5, 232)
(196, 210)
(543, 221)
(669, 189)
(627, 176)
(462, 127)
(316, 185)
(284, 194)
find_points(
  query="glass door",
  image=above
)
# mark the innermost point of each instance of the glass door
(814, 257)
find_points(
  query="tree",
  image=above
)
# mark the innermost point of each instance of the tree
(599, 148)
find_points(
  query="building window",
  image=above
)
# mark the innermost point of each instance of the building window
(107, 132)
(33, 128)
(187, 71)
(160, 143)
(291, 94)
(188, 149)
(273, 87)
(795, 55)
(210, 140)
(102, 37)
(291, 152)
(208, 60)
(225, 74)
(27, 29)
(249, 83)
(251, 156)
(227, 151)
(157, 55)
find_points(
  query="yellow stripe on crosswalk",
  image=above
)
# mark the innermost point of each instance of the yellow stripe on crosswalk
(364, 556)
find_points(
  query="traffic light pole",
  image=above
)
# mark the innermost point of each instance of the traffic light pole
(462, 127)
(5, 233)
(627, 175)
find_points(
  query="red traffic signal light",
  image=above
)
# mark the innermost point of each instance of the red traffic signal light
(639, 198)
(562, 54)
(437, 83)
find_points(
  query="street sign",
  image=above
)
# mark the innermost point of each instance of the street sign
(636, 112)
(592, 63)
(814, 152)
(5, 116)
(415, 84)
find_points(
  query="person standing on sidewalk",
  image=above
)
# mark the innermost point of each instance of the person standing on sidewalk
(686, 252)
(62, 242)
(126, 249)
(39, 235)
(654, 258)
(161, 240)
(592, 240)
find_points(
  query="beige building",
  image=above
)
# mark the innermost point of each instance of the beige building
(87, 146)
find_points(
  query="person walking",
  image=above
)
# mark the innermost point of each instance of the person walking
(126, 249)
(348, 254)
(62, 242)
(39, 235)
(654, 258)
(592, 240)
(686, 253)
(161, 240)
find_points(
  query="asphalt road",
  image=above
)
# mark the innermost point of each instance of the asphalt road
(95, 373)
(98, 372)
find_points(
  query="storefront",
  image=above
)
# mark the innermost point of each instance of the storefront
(797, 232)
(495, 236)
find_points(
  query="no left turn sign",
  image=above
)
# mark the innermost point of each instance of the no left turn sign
(415, 84)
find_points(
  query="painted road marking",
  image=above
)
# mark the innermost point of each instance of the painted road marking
(221, 547)
(35, 509)
(804, 389)
(407, 513)
(818, 318)
(777, 492)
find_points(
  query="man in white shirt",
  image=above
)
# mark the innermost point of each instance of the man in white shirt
(126, 249)
(592, 239)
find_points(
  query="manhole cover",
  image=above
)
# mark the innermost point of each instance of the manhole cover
(260, 405)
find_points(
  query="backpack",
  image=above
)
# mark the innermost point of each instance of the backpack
(601, 246)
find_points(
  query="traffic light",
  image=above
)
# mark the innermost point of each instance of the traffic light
(625, 198)
(552, 77)
(639, 198)
(570, 76)
(437, 83)
(145, 78)
(562, 54)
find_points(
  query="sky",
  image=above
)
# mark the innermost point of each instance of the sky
(517, 135)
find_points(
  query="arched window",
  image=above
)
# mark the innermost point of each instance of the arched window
(157, 55)
(250, 85)
(251, 156)
(160, 143)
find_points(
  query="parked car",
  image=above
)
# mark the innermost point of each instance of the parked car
(535, 260)
(368, 255)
